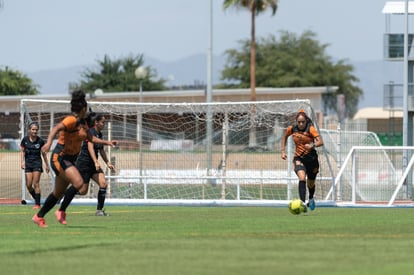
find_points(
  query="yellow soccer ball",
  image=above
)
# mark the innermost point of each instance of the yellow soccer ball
(296, 207)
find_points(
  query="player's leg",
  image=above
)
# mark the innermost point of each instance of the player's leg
(29, 183)
(61, 182)
(311, 188)
(74, 175)
(70, 193)
(300, 171)
(60, 186)
(65, 172)
(313, 172)
(100, 179)
(36, 186)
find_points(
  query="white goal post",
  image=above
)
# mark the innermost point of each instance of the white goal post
(167, 155)
(379, 175)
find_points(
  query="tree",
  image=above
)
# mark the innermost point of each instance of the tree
(13, 82)
(118, 76)
(294, 61)
(255, 7)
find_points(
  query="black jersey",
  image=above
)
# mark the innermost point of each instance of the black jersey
(32, 151)
(84, 158)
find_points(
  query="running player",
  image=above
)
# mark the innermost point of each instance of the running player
(305, 161)
(72, 131)
(89, 166)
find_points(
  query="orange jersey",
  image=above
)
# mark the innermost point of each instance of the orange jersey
(300, 138)
(75, 132)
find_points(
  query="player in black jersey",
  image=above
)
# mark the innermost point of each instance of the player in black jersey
(31, 161)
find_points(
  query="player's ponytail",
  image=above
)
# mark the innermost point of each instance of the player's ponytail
(90, 119)
(78, 101)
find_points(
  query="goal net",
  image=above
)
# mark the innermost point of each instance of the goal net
(376, 175)
(192, 153)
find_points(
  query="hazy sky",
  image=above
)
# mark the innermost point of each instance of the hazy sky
(48, 34)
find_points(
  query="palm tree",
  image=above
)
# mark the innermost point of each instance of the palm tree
(255, 7)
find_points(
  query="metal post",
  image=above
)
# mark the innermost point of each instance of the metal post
(354, 177)
(405, 91)
(140, 135)
(289, 152)
(22, 132)
(209, 130)
(109, 158)
(223, 165)
(140, 74)
(337, 194)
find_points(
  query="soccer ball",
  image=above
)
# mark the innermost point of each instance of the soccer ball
(296, 207)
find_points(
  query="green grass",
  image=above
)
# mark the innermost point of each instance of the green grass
(208, 240)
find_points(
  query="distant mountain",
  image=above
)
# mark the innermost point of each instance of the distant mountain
(187, 71)
(56, 81)
(193, 70)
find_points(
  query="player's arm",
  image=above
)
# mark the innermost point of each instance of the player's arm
(317, 140)
(97, 140)
(91, 152)
(105, 159)
(22, 157)
(44, 155)
(59, 127)
(283, 144)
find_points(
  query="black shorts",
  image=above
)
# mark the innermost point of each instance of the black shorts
(33, 166)
(33, 169)
(87, 172)
(308, 163)
(60, 162)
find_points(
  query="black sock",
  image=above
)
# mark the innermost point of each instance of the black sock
(302, 190)
(69, 195)
(37, 198)
(311, 192)
(33, 194)
(50, 202)
(101, 198)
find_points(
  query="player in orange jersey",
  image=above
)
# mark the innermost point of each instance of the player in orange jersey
(89, 166)
(305, 160)
(72, 130)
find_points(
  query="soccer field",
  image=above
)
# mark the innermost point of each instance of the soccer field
(208, 240)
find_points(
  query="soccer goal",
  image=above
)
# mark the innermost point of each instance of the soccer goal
(379, 175)
(193, 153)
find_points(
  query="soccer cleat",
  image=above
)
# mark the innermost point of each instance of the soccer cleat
(101, 213)
(61, 216)
(39, 221)
(311, 204)
(304, 207)
(36, 206)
